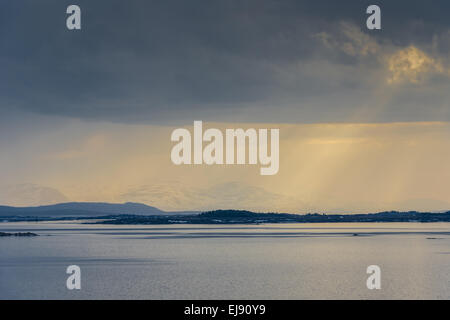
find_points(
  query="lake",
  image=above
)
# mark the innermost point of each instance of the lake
(268, 261)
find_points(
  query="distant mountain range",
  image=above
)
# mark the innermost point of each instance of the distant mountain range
(138, 213)
(84, 209)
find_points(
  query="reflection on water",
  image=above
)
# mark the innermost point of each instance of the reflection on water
(286, 261)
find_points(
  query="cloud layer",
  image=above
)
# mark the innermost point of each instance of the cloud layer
(274, 61)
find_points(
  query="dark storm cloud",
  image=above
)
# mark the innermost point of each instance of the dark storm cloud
(166, 61)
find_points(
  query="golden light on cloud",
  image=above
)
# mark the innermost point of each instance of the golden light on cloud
(412, 65)
(401, 64)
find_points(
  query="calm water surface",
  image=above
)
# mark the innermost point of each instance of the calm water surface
(272, 261)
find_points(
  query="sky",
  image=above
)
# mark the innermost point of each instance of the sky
(363, 114)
